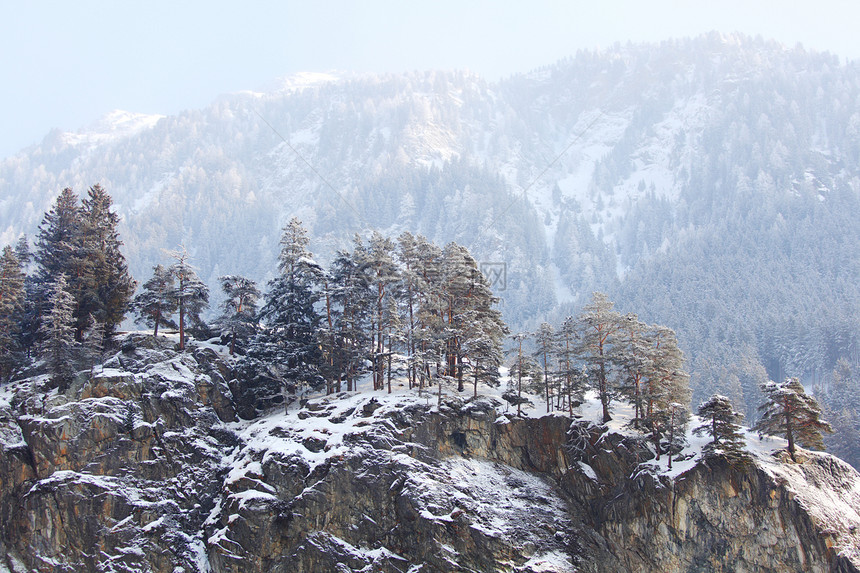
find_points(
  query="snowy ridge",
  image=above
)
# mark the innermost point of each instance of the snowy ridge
(833, 504)
(115, 125)
(826, 487)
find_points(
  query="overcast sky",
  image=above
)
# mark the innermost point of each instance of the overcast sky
(65, 64)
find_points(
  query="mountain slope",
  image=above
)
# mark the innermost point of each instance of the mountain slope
(712, 182)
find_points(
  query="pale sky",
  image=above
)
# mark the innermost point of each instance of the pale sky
(65, 64)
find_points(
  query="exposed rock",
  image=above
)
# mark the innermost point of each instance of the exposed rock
(143, 467)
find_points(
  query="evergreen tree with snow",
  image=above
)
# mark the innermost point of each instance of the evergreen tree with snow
(103, 285)
(156, 303)
(482, 344)
(429, 333)
(667, 394)
(410, 285)
(384, 276)
(55, 250)
(288, 344)
(570, 371)
(523, 371)
(22, 252)
(12, 299)
(58, 332)
(239, 309)
(678, 416)
(599, 325)
(82, 242)
(635, 359)
(545, 350)
(470, 322)
(722, 423)
(94, 342)
(55, 242)
(480, 329)
(190, 293)
(790, 412)
(350, 299)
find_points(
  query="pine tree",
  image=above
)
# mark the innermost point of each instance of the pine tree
(635, 358)
(722, 423)
(289, 343)
(598, 325)
(676, 424)
(27, 317)
(410, 285)
(383, 273)
(351, 302)
(480, 328)
(55, 249)
(396, 336)
(429, 334)
(58, 332)
(789, 411)
(55, 243)
(239, 315)
(668, 386)
(190, 293)
(82, 242)
(569, 370)
(11, 311)
(467, 310)
(157, 303)
(94, 342)
(103, 285)
(523, 370)
(22, 252)
(545, 351)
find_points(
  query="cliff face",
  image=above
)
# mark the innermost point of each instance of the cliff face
(144, 467)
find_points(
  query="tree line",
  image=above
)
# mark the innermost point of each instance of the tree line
(386, 308)
(76, 297)
(619, 358)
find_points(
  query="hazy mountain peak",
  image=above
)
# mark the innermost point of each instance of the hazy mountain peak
(113, 125)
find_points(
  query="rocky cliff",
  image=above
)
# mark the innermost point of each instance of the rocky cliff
(143, 466)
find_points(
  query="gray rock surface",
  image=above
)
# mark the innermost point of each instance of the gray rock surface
(144, 466)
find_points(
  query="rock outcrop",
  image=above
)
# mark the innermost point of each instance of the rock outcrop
(144, 466)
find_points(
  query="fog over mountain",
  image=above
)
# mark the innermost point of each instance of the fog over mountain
(711, 184)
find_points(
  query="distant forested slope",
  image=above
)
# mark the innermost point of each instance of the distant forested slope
(711, 184)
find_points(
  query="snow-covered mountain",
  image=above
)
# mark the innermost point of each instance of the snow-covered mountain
(713, 182)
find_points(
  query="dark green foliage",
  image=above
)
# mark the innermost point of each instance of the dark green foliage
(82, 242)
(57, 239)
(157, 303)
(350, 308)
(790, 412)
(722, 423)
(12, 300)
(288, 341)
(104, 284)
(58, 333)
